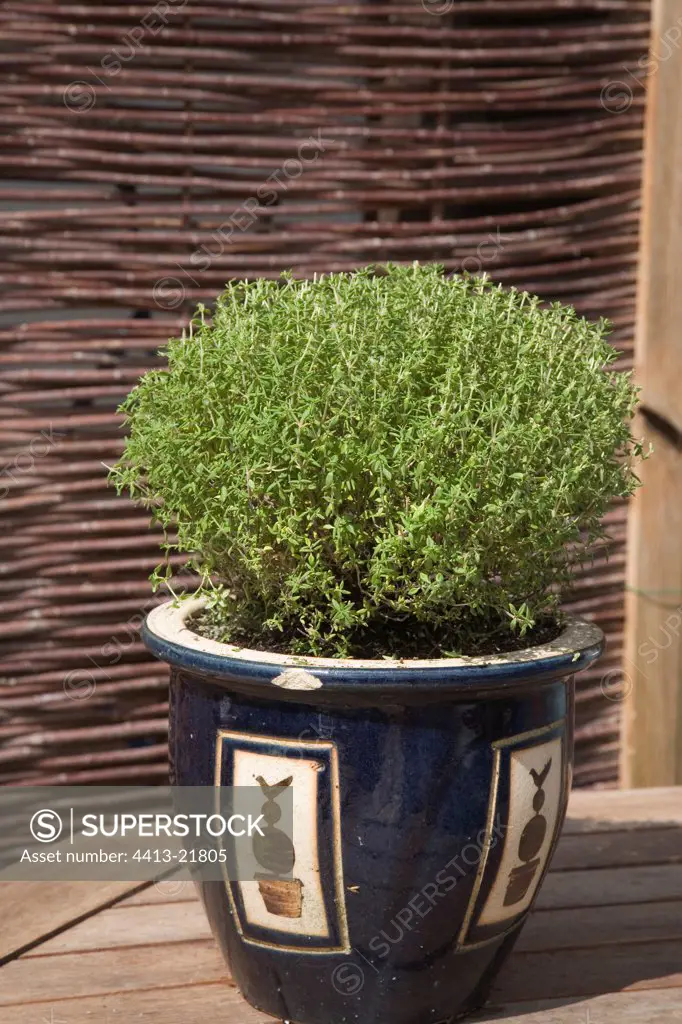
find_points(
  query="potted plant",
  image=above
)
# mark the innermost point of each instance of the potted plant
(385, 480)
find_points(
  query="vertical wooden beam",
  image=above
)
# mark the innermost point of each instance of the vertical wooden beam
(652, 718)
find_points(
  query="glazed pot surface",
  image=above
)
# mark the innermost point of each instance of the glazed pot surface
(424, 822)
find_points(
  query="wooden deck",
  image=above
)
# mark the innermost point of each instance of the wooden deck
(604, 945)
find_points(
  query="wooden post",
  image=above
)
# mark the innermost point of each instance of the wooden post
(652, 719)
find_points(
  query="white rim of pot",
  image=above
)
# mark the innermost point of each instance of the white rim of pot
(168, 621)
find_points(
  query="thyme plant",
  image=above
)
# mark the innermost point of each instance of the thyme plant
(388, 462)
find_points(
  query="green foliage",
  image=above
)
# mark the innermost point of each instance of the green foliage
(390, 452)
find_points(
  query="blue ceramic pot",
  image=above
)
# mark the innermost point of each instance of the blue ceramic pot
(428, 798)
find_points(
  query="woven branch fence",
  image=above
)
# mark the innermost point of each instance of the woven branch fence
(152, 152)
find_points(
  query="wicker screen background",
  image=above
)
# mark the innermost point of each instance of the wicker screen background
(151, 152)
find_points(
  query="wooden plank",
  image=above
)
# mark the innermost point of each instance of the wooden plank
(592, 927)
(132, 925)
(194, 1004)
(159, 893)
(35, 979)
(33, 911)
(619, 849)
(597, 810)
(610, 887)
(652, 719)
(653, 1007)
(587, 972)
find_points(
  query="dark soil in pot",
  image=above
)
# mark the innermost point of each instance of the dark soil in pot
(407, 638)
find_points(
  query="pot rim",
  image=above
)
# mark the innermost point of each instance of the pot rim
(168, 636)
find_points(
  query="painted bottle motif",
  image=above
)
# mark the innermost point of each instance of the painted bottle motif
(530, 844)
(275, 852)
(289, 892)
(528, 774)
